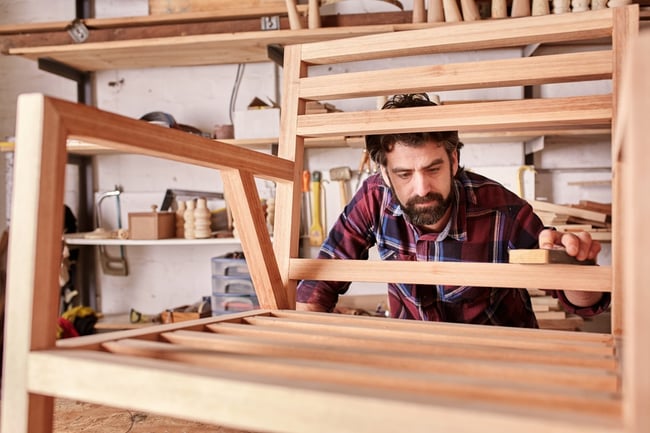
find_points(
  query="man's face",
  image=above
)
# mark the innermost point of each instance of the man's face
(421, 179)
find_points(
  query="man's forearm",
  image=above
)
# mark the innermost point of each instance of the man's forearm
(583, 299)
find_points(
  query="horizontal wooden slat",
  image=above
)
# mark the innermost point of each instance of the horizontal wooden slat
(381, 323)
(551, 376)
(479, 353)
(465, 36)
(229, 399)
(550, 276)
(434, 337)
(455, 76)
(555, 113)
(380, 380)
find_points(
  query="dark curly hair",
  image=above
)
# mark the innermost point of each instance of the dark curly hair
(379, 145)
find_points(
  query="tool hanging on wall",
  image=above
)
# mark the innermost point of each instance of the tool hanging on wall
(111, 265)
(342, 175)
(305, 220)
(365, 166)
(316, 229)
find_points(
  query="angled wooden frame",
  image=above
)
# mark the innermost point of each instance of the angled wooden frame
(279, 370)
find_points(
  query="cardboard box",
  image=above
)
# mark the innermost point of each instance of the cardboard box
(260, 120)
(152, 225)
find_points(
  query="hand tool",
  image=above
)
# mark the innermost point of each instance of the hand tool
(111, 265)
(305, 219)
(316, 230)
(342, 175)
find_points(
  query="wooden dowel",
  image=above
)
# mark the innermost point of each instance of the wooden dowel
(470, 10)
(419, 15)
(520, 8)
(499, 9)
(452, 13)
(294, 19)
(313, 14)
(435, 13)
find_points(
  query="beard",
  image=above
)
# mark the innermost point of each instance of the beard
(427, 215)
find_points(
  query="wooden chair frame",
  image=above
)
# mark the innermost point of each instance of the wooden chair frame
(279, 370)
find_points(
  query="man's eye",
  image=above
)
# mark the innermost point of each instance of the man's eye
(434, 170)
(403, 175)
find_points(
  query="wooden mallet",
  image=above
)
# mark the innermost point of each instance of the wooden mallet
(341, 175)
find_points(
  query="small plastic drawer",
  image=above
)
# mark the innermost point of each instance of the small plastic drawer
(229, 267)
(232, 286)
(222, 304)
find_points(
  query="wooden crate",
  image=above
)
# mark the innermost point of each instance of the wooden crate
(152, 225)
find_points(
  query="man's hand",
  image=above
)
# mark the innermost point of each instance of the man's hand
(582, 247)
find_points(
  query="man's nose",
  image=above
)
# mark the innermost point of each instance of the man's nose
(420, 184)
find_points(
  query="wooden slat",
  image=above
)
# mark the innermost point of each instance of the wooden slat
(73, 374)
(588, 278)
(433, 337)
(478, 353)
(539, 374)
(454, 76)
(245, 203)
(632, 135)
(131, 135)
(464, 37)
(381, 323)
(380, 380)
(553, 113)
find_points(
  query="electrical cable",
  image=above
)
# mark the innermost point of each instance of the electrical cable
(235, 89)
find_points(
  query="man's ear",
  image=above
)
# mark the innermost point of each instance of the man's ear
(384, 174)
(454, 162)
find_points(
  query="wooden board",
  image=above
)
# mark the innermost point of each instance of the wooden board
(543, 256)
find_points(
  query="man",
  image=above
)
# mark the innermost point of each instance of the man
(424, 206)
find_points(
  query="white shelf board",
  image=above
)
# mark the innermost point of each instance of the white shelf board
(79, 240)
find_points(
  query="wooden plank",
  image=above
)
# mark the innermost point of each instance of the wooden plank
(632, 137)
(108, 129)
(34, 258)
(245, 203)
(73, 374)
(466, 36)
(587, 278)
(571, 211)
(192, 50)
(479, 353)
(379, 380)
(390, 335)
(539, 374)
(454, 76)
(444, 327)
(286, 231)
(544, 256)
(556, 113)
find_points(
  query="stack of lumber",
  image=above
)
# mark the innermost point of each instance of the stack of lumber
(590, 216)
(550, 314)
(315, 107)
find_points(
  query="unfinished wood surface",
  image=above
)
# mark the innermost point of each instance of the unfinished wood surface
(543, 256)
(463, 37)
(632, 136)
(319, 364)
(552, 276)
(455, 76)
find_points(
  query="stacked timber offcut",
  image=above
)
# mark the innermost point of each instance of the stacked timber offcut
(588, 216)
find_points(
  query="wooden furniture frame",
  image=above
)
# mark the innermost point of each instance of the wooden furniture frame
(278, 370)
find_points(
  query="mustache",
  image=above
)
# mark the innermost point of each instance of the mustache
(425, 199)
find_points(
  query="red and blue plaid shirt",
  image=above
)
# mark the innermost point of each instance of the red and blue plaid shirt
(486, 221)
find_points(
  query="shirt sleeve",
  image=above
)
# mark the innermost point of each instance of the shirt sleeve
(351, 237)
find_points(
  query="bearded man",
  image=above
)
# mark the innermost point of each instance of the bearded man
(422, 205)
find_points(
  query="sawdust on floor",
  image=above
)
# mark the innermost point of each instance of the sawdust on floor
(76, 417)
